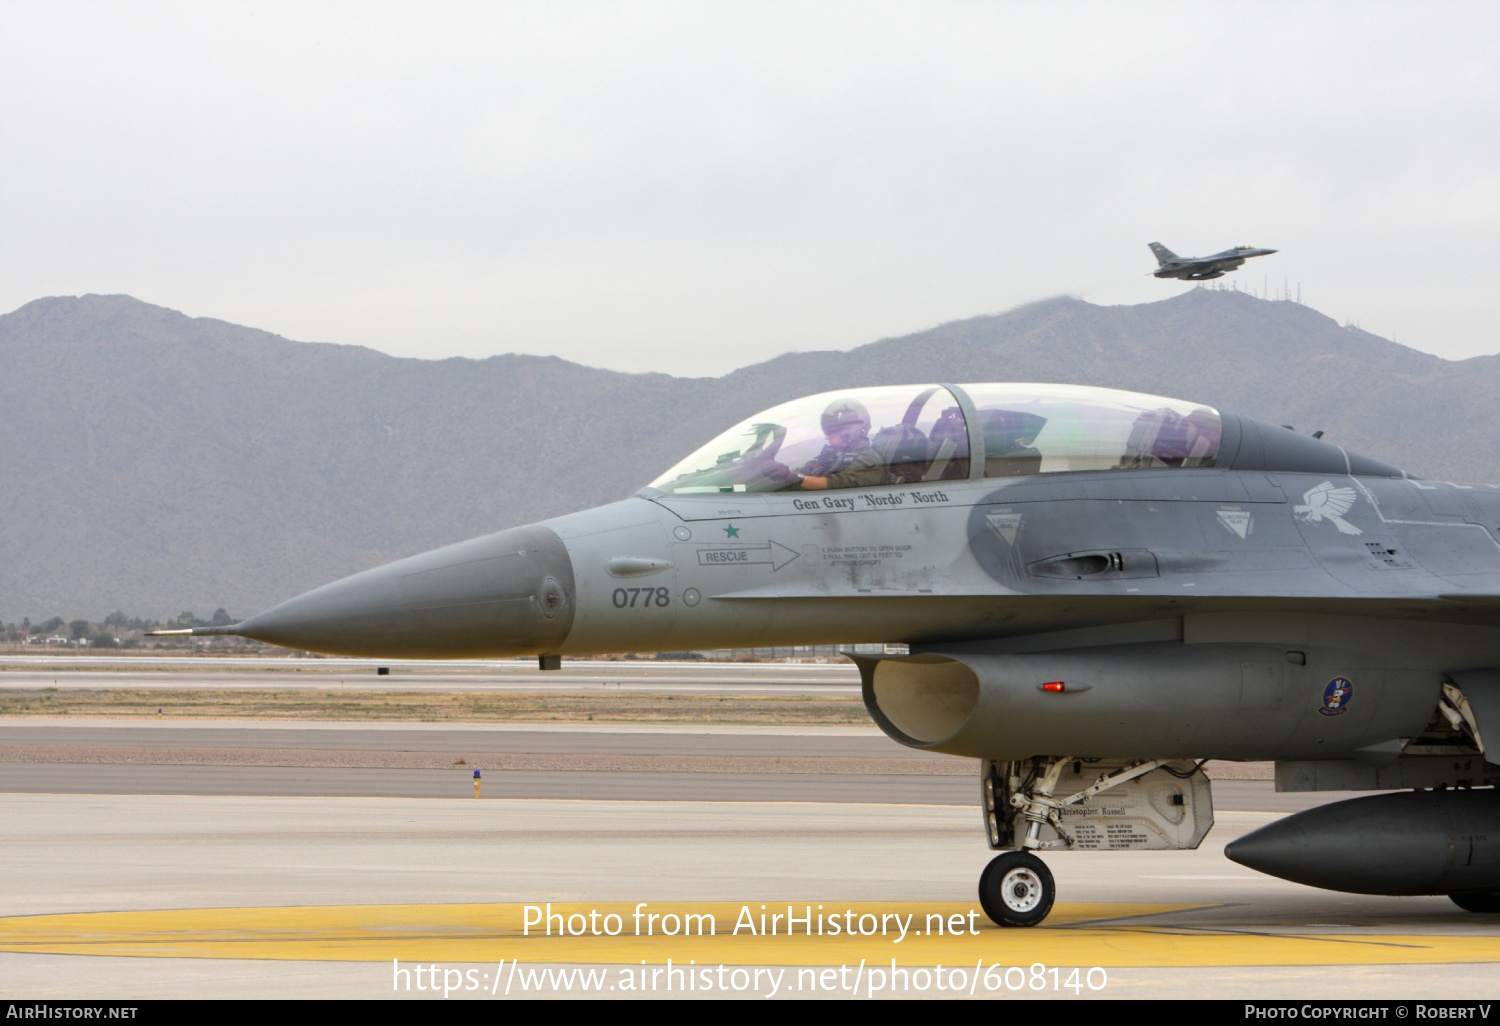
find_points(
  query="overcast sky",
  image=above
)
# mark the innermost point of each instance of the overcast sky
(693, 187)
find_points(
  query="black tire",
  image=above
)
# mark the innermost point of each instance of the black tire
(1476, 901)
(1016, 889)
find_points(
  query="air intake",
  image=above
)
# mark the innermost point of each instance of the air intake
(925, 698)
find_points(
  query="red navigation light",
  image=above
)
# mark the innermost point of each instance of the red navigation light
(1055, 685)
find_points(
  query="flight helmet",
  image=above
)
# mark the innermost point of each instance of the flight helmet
(842, 414)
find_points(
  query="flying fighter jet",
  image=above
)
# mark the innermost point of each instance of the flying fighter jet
(1202, 268)
(1099, 589)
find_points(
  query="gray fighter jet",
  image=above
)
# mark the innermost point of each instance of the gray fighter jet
(1170, 265)
(1099, 590)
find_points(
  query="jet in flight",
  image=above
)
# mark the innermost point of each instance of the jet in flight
(1170, 265)
(1099, 591)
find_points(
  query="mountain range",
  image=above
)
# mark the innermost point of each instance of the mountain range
(154, 462)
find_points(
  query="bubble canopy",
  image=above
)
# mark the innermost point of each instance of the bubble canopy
(1031, 429)
(910, 434)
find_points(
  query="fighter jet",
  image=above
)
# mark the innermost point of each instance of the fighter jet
(1099, 590)
(1202, 268)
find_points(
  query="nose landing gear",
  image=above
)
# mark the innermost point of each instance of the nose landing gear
(1021, 802)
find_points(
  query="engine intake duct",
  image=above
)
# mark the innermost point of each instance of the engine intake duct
(921, 699)
(1422, 842)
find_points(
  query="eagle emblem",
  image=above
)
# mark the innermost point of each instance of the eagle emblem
(1325, 502)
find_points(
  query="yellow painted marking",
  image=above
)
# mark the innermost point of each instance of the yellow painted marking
(1075, 934)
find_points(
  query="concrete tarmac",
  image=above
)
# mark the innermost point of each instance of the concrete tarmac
(611, 739)
(284, 781)
(239, 858)
(576, 676)
(856, 765)
(210, 896)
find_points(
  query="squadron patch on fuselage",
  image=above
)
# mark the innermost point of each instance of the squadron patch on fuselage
(1325, 502)
(1336, 697)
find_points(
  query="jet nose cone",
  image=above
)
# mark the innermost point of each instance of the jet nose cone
(505, 594)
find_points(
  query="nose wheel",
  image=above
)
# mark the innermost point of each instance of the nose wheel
(1016, 889)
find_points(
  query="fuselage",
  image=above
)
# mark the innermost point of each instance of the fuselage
(1286, 548)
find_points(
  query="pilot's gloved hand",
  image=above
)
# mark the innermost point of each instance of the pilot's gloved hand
(814, 484)
(779, 472)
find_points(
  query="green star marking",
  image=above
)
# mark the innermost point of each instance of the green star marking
(731, 531)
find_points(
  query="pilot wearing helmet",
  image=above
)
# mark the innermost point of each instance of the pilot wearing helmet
(848, 460)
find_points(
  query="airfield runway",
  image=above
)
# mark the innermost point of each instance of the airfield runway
(856, 765)
(156, 896)
(155, 858)
(577, 676)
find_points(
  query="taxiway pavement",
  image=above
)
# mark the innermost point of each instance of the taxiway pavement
(576, 676)
(158, 896)
(578, 761)
(241, 858)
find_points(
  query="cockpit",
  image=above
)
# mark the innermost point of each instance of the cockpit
(912, 434)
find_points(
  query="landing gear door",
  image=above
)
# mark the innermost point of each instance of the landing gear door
(1482, 689)
(1170, 808)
